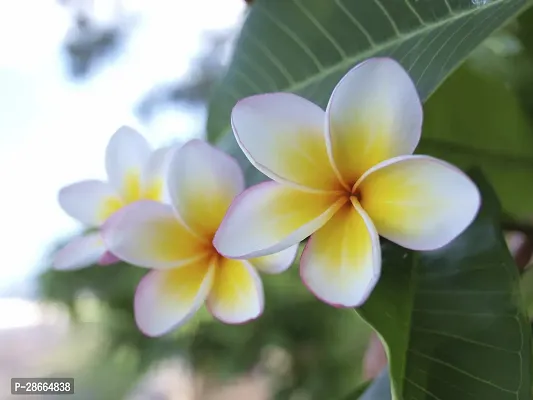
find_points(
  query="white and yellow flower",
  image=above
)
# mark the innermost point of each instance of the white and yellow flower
(134, 172)
(176, 242)
(343, 176)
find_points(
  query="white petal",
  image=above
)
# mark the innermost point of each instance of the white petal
(237, 293)
(203, 181)
(277, 262)
(167, 299)
(283, 137)
(419, 202)
(272, 217)
(148, 234)
(90, 202)
(81, 252)
(127, 154)
(374, 114)
(341, 262)
(155, 174)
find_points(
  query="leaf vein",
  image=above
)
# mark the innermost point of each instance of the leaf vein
(466, 340)
(321, 28)
(462, 371)
(356, 22)
(389, 17)
(285, 29)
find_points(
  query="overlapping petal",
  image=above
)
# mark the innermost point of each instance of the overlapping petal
(147, 233)
(283, 136)
(237, 293)
(203, 181)
(341, 262)
(90, 202)
(80, 253)
(108, 258)
(271, 217)
(155, 172)
(127, 154)
(419, 202)
(167, 299)
(374, 114)
(277, 262)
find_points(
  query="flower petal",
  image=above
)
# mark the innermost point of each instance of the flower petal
(283, 137)
(341, 262)
(203, 181)
(148, 234)
(270, 217)
(155, 173)
(277, 262)
(126, 156)
(108, 259)
(237, 293)
(167, 299)
(81, 252)
(374, 114)
(90, 202)
(419, 202)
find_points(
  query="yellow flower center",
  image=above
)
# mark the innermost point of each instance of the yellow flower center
(132, 191)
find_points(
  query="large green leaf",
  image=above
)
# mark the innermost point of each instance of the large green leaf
(306, 46)
(475, 119)
(453, 319)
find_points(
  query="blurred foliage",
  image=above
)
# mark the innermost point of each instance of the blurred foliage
(300, 342)
(90, 44)
(485, 126)
(195, 88)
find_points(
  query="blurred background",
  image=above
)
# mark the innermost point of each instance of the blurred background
(72, 72)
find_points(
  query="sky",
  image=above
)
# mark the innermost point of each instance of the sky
(53, 132)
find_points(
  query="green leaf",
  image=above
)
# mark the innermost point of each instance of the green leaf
(306, 46)
(364, 387)
(453, 319)
(475, 119)
(526, 284)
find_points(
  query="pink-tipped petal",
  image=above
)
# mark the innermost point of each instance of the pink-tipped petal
(90, 202)
(237, 294)
(147, 233)
(165, 300)
(283, 137)
(80, 253)
(127, 154)
(108, 259)
(271, 217)
(419, 202)
(341, 262)
(277, 262)
(374, 114)
(203, 181)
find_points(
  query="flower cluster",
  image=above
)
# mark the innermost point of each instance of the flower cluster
(342, 177)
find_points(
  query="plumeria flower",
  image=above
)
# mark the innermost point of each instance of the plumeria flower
(134, 172)
(176, 242)
(342, 177)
